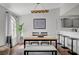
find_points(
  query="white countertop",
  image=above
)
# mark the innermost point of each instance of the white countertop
(70, 34)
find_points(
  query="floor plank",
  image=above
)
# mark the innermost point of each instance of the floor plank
(19, 50)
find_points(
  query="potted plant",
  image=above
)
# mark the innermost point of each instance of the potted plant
(19, 29)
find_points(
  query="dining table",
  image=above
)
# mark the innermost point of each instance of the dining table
(47, 38)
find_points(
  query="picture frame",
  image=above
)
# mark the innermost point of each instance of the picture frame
(39, 23)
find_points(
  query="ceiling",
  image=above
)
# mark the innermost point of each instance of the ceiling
(25, 8)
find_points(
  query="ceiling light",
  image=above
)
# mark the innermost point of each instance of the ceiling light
(39, 10)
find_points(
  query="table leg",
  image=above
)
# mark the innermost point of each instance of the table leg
(24, 43)
(59, 39)
(24, 52)
(50, 42)
(56, 43)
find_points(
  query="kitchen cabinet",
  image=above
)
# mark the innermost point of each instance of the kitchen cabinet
(70, 22)
(75, 22)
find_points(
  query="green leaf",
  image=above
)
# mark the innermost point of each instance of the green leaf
(19, 27)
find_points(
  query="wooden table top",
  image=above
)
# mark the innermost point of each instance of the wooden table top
(40, 38)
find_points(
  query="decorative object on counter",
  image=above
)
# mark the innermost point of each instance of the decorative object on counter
(41, 36)
(35, 33)
(34, 42)
(74, 29)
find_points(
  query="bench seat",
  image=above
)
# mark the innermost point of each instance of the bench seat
(32, 48)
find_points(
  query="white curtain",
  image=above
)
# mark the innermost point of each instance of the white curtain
(12, 29)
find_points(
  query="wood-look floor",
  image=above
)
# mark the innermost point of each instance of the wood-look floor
(19, 50)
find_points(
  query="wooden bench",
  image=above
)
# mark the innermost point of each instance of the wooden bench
(48, 48)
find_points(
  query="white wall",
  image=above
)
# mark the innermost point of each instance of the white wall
(2, 26)
(4, 22)
(73, 11)
(51, 22)
(66, 7)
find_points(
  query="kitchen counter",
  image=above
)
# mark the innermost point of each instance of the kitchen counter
(70, 34)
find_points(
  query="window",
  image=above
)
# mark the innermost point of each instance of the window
(13, 27)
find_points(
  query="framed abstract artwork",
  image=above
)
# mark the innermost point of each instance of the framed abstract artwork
(39, 23)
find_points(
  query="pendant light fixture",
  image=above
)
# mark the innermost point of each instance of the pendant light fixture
(39, 10)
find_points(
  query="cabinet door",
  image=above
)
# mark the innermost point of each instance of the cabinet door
(67, 22)
(76, 22)
(78, 46)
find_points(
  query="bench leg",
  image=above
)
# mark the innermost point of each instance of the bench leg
(27, 53)
(24, 52)
(55, 52)
(52, 52)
